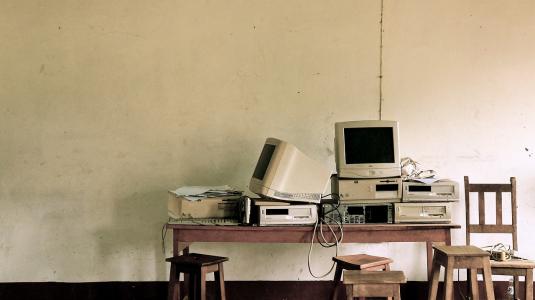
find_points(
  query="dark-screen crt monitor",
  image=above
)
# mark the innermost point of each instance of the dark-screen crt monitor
(367, 149)
(285, 173)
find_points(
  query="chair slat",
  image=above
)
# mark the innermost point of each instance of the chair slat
(513, 211)
(491, 228)
(493, 187)
(499, 209)
(481, 205)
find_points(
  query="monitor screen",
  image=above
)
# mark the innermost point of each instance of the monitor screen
(369, 145)
(367, 149)
(263, 161)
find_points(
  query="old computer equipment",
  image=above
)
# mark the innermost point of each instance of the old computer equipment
(368, 190)
(367, 149)
(439, 191)
(285, 173)
(271, 215)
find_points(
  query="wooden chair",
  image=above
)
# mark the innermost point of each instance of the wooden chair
(195, 266)
(357, 262)
(373, 284)
(513, 267)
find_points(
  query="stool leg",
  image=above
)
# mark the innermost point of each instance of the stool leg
(349, 291)
(448, 279)
(529, 283)
(201, 287)
(220, 281)
(173, 289)
(193, 293)
(487, 276)
(397, 294)
(474, 288)
(188, 281)
(387, 268)
(433, 285)
(336, 282)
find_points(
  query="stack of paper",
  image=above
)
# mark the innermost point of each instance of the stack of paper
(194, 193)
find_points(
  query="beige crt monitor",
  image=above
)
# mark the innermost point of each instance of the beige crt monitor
(285, 173)
(367, 149)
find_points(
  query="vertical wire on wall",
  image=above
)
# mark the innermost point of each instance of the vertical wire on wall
(381, 63)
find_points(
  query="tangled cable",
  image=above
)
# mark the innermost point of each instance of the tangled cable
(499, 252)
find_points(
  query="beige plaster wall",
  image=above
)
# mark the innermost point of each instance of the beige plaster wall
(106, 105)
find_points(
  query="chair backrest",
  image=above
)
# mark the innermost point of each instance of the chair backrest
(481, 226)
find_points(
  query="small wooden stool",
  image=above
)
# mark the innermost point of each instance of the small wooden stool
(460, 257)
(195, 266)
(357, 262)
(373, 284)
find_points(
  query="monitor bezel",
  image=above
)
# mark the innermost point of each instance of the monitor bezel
(366, 170)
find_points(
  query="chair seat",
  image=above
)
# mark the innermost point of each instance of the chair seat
(361, 261)
(464, 251)
(513, 264)
(196, 260)
(371, 277)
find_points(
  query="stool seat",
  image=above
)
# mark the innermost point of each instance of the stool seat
(468, 251)
(196, 259)
(460, 257)
(513, 264)
(361, 262)
(195, 266)
(373, 284)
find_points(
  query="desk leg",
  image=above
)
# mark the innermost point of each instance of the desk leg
(176, 244)
(184, 248)
(179, 246)
(429, 248)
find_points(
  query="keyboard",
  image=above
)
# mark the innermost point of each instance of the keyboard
(205, 221)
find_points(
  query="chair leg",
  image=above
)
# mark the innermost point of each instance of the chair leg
(516, 287)
(220, 281)
(173, 289)
(336, 282)
(529, 284)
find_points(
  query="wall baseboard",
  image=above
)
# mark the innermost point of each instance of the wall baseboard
(236, 290)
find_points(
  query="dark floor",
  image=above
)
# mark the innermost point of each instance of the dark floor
(235, 290)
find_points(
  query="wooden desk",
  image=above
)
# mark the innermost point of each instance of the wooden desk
(185, 235)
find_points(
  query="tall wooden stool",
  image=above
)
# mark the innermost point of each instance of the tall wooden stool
(460, 257)
(373, 284)
(357, 262)
(196, 266)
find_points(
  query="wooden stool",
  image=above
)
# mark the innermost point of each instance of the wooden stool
(357, 262)
(373, 284)
(195, 266)
(460, 257)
